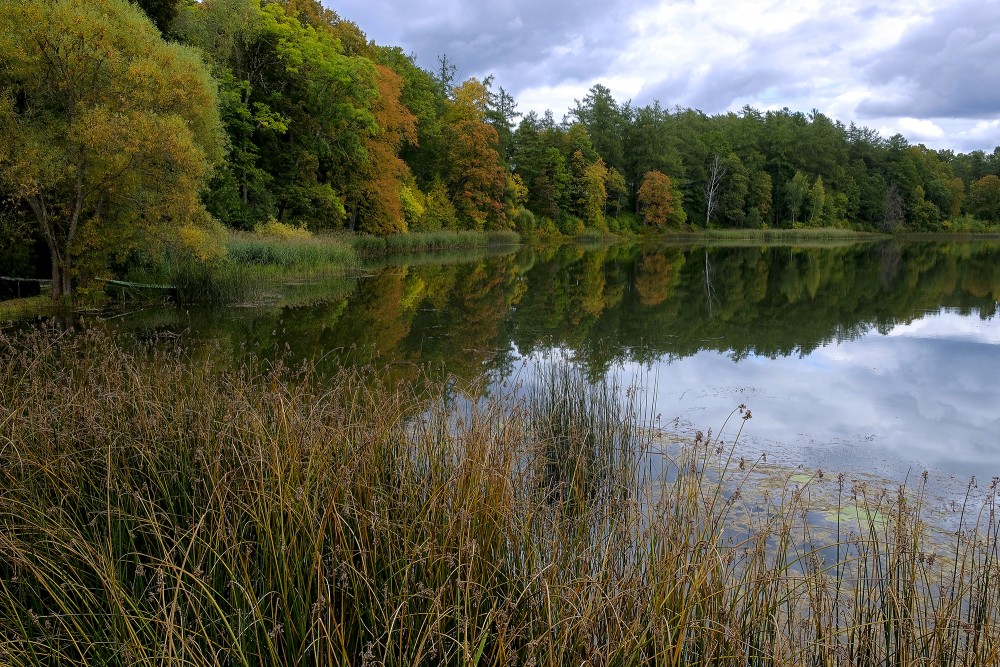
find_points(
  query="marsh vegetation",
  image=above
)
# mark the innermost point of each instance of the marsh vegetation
(165, 507)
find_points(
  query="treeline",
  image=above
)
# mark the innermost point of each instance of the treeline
(113, 134)
(328, 129)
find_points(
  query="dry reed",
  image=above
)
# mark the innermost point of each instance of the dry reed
(159, 507)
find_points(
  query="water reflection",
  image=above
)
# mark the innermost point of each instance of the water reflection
(864, 354)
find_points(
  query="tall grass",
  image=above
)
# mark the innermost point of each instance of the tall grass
(294, 252)
(160, 508)
(257, 269)
(419, 241)
(805, 234)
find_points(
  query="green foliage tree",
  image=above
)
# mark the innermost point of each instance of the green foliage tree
(925, 216)
(957, 198)
(300, 111)
(605, 122)
(617, 191)
(894, 210)
(984, 198)
(439, 213)
(816, 203)
(106, 131)
(759, 193)
(160, 12)
(734, 192)
(796, 191)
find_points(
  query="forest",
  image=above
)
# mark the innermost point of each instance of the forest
(125, 128)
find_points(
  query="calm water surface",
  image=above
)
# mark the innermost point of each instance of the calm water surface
(880, 356)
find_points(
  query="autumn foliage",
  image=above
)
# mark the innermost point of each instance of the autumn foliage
(657, 202)
(379, 203)
(106, 131)
(475, 175)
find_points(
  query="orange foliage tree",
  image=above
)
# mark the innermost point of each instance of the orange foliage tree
(659, 201)
(474, 173)
(377, 204)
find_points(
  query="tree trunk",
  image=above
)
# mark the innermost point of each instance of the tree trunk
(62, 288)
(715, 173)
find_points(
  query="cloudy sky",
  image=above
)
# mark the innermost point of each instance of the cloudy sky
(929, 69)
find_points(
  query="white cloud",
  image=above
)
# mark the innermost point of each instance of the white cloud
(920, 129)
(950, 326)
(982, 130)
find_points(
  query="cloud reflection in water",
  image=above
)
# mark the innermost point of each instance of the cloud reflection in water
(923, 396)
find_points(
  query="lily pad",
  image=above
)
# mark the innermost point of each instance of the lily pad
(855, 515)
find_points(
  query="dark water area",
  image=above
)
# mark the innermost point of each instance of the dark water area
(870, 356)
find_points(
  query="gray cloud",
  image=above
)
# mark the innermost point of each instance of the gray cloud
(722, 86)
(842, 57)
(523, 42)
(945, 68)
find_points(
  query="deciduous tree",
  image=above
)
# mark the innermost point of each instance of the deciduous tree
(474, 174)
(984, 198)
(383, 172)
(660, 202)
(595, 195)
(106, 130)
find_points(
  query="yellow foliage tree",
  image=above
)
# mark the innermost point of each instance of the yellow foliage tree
(107, 132)
(595, 195)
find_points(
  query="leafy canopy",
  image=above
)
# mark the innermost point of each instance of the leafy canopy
(106, 130)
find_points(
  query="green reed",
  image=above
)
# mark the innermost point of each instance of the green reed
(160, 507)
(774, 234)
(437, 240)
(296, 252)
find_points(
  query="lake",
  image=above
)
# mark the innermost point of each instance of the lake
(882, 357)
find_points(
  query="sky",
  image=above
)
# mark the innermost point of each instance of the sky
(927, 69)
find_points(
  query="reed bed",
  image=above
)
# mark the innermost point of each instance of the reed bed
(160, 507)
(299, 252)
(421, 241)
(805, 234)
(259, 268)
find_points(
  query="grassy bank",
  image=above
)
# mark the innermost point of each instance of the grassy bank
(259, 267)
(157, 508)
(26, 308)
(397, 244)
(768, 235)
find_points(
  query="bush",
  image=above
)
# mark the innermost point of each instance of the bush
(282, 230)
(571, 225)
(524, 221)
